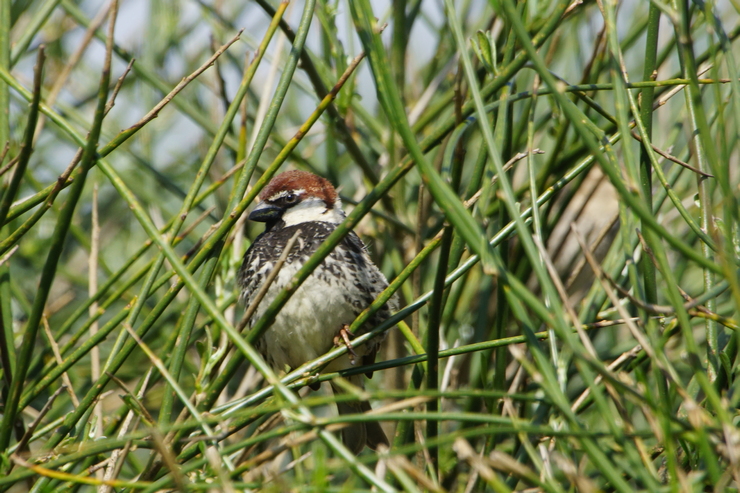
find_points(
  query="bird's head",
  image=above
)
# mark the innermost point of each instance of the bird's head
(296, 197)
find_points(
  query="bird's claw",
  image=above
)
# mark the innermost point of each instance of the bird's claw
(345, 337)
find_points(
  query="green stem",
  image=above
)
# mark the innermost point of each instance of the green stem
(7, 346)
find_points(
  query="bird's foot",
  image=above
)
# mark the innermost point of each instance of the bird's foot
(345, 337)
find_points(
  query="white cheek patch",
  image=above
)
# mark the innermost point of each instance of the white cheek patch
(312, 210)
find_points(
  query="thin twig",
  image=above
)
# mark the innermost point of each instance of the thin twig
(639, 336)
(10, 164)
(623, 358)
(215, 461)
(32, 427)
(667, 369)
(649, 307)
(61, 79)
(467, 454)
(63, 179)
(268, 424)
(509, 164)
(58, 358)
(8, 254)
(632, 124)
(4, 152)
(265, 96)
(400, 464)
(202, 240)
(670, 157)
(154, 112)
(564, 297)
(168, 459)
(220, 79)
(184, 233)
(117, 88)
(157, 362)
(99, 466)
(134, 403)
(118, 455)
(578, 267)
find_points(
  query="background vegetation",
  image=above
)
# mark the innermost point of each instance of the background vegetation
(551, 186)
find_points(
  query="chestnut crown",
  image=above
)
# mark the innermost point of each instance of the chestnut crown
(298, 196)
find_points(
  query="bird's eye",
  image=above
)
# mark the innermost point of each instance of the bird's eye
(291, 198)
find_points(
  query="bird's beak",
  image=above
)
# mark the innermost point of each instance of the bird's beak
(265, 213)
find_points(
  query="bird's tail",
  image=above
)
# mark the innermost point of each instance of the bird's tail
(359, 434)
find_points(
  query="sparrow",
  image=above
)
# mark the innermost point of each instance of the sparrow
(316, 317)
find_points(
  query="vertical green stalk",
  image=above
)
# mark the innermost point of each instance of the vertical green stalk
(329, 52)
(7, 348)
(432, 349)
(436, 307)
(707, 159)
(398, 44)
(621, 107)
(646, 265)
(647, 95)
(731, 211)
(344, 132)
(504, 181)
(706, 189)
(501, 317)
(5, 64)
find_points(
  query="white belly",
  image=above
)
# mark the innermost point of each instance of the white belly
(306, 326)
